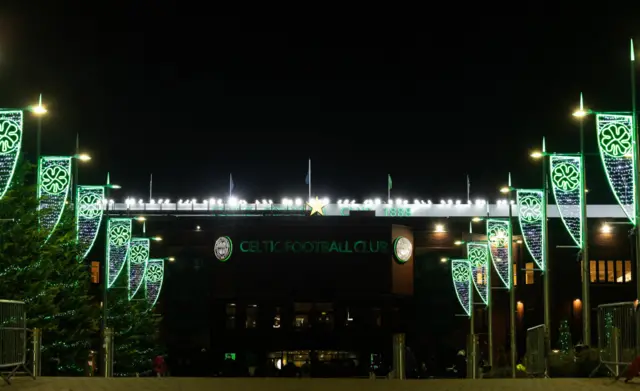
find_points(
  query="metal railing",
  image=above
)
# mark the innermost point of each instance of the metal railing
(536, 354)
(617, 336)
(13, 339)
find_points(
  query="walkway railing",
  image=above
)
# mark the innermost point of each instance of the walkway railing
(13, 339)
(617, 336)
(536, 354)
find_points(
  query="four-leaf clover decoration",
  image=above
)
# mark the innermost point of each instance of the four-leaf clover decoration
(477, 256)
(55, 179)
(154, 273)
(90, 205)
(119, 235)
(139, 252)
(615, 139)
(565, 177)
(530, 208)
(9, 136)
(460, 272)
(498, 235)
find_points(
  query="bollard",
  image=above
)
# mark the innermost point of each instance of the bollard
(399, 351)
(108, 352)
(37, 352)
(615, 338)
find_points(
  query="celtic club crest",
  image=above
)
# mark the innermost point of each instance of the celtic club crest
(9, 136)
(477, 256)
(530, 208)
(55, 179)
(460, 273)
(223, 248)
(616, 140)
(565, 177)
(498, 236)
(139, 253)
(154, 273)
(119, 235)
(90, 206)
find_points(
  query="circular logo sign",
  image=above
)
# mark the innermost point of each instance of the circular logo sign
(402, 249)
(223, 248)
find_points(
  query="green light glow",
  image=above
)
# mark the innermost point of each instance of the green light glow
(500, 249)
(137, 259)
(461, 275)
(10, 145)
(531, 217)
(89, 210)
(478, 254)
(54, 178)
(153, 280)
(615, 143)
(118, 237)
(566, 186)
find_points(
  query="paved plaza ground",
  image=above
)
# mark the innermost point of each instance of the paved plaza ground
(187, 384)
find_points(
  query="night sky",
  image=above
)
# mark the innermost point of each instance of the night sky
(191, 96)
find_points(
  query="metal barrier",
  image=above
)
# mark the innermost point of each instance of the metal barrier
(13, 339)
(536, 354)
(617, 336)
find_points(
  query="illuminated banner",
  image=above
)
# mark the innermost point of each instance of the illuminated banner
(137, 258)
(118, 237)
(88, 216)
(531, 215)
(10, 144)
(500, 249)
(461, 275)
(153, 280)
(478, 254)
(615, 141)
(566, 183)
(54, 178)
(308, 247)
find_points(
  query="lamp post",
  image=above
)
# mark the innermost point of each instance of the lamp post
(39, 110)
(489, 295)
(512, 291)
(636, 175)
(105, 282)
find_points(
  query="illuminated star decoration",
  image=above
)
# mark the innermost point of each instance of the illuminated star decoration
(317, 206)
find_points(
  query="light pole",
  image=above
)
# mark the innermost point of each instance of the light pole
(636, 175)
(105, 282)
(489, 294)
(39, 110)
(512, 291)
(586, 297)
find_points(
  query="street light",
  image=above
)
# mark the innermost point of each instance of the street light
(105, 283)
(459, 242)
(171, 259)
(512, 290)
(156, 238)
(39, 110)
(82, 156)
(581, 113)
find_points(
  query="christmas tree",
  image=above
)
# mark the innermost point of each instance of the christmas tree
(47, 276)
(135, 333)
(565, 342)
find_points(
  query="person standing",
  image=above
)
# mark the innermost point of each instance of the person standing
(159, 366)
